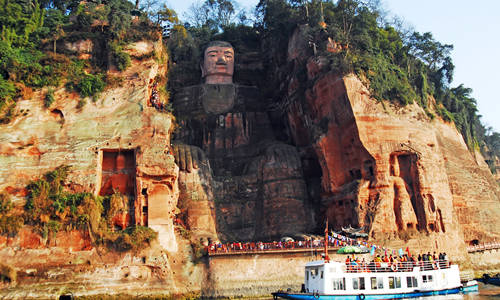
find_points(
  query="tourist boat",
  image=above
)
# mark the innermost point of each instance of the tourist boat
(331, 280)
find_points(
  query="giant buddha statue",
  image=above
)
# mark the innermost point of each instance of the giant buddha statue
(230, 159)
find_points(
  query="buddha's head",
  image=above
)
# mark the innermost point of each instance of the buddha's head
(120, 161)
(218, 63)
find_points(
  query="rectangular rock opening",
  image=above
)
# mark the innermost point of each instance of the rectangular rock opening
(118, 175)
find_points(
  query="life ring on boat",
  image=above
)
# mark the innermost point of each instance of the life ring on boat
(434, 266)
(316, 295)
(394, 268)
(461, 288)
(361, 296)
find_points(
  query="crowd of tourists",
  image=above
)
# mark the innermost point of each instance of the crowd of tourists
(401, 263)
(154, 99)
(260, 246)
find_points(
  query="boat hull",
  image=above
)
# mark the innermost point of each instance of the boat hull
(471, 288)
(309, 296)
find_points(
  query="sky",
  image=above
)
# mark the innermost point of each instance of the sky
(472, 28)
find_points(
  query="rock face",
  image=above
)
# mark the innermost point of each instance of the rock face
(258, 186)
(243, 167)
(348, 158)
(388, 169)
(118, 143)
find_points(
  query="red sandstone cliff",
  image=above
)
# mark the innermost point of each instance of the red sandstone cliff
(390, 169)
(408, 179)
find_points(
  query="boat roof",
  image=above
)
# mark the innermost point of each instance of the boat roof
(318, 263)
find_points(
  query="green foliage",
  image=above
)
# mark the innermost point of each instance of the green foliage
(49, 97)
(90, 85)
(120, 58)
(9, 223)
(50, 208)
(19, 19)
(7, 92)
(5, 203)
(397, 66)
(87, 85)
(119, 18)
(29, 67)
(185, 57)
(132, 238)
(214, 14)
(30, 28)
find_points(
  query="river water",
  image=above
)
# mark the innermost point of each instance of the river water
(486, 292)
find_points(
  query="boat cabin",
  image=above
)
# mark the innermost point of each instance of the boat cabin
(338, 278)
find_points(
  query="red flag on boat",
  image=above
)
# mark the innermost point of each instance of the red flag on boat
(327, 259)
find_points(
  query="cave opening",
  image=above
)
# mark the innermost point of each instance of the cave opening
(474, 242)
(404, 165)
(118, 175)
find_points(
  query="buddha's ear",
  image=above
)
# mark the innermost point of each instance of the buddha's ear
(202, 70)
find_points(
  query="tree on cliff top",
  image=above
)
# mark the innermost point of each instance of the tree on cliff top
(29, 29)
(400, 66)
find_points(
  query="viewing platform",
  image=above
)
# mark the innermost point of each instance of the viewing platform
(483, 247)
(314, 247)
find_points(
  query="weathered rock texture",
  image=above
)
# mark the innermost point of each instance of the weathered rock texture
(243, 167)
(119, 142)
(119, 128)
(386, 168)
(258, 185)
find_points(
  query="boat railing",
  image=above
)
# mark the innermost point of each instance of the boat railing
(360, 267)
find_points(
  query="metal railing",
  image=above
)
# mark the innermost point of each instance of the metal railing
(483, 247)
(360, 267)
(252, 247)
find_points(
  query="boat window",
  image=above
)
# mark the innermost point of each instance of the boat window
(397, 282)
(338, 283)
(394, 282)
(426, 278)
(411, 282)
(358, 283)
(307, 275)
(377, 283)
(321, 274)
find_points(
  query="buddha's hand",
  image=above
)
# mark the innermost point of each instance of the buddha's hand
(188, 157)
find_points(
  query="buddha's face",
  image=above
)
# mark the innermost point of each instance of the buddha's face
(218, 65)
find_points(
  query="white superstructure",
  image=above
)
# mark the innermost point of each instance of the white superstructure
(338, 278)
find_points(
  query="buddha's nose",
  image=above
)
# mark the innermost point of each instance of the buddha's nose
(221, 60)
